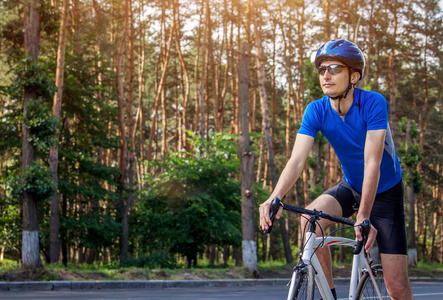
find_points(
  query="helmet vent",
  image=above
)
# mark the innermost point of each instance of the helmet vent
(337, 44)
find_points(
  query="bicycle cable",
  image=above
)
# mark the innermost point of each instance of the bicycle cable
(321, 244)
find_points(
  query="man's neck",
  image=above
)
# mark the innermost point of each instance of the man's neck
(345, 103)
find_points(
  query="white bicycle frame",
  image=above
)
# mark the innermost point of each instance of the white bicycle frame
(359, 263)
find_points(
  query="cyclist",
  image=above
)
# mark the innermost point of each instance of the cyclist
(355, 122)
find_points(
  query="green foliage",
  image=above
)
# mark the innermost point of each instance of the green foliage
(410, 156)
(10, 222)
(311, 161)
(10, 129)
(42, 125)
(413, 179)
(316, 190)
(312, 83)
(414, 132)
(11, 32)
(32, 75)
(92, 230)
(36, 179)
(50, 18)
(195, 203)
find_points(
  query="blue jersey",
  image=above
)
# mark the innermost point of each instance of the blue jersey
(347, 135)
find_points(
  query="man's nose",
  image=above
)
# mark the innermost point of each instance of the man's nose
(327, 74)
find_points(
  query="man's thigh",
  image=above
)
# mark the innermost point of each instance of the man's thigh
(395, 273)
(328, 205)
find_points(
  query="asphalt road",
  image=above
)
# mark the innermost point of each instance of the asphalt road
(422, 290)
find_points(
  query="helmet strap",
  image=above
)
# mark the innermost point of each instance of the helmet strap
(350, 86)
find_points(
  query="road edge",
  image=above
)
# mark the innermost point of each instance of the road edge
(149, 284)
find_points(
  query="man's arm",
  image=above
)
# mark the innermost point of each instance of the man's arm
(291, 172)
(374, 146)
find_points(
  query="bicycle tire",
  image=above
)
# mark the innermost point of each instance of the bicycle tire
(303, 285)
(366, 289)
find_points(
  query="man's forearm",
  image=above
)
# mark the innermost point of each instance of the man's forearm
(373, 156)
(369, 190)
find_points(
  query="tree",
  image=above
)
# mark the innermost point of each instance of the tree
(53, 156)
(392, 79)
(410, 155)
(30, 239)
(247, 158)
(123, 137)
(160, 89)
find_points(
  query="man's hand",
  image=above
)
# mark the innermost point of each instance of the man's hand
(265, 208)
(371, 235)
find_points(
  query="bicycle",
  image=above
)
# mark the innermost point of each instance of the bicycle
(366, 279)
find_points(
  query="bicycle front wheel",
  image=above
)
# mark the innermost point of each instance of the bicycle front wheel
(302, 284)
(366, 288)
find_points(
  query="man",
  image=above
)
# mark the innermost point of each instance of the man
(355, 122)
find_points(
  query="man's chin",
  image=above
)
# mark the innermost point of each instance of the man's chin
(331, 95)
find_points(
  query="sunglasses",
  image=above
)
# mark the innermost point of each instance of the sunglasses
(332, 69)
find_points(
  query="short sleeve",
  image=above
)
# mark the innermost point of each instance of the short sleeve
(311, 122)
(377, 113)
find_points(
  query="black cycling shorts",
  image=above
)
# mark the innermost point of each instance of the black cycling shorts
(387, 216)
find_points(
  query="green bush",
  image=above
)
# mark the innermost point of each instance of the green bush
(158, 259)
(194, 204)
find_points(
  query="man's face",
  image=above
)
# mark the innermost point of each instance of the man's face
(334, 84)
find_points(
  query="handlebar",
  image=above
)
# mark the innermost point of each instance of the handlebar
(275, 206)
(365, 226)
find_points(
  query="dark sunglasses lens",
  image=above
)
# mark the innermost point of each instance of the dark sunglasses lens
(332, 69)
(322, 70)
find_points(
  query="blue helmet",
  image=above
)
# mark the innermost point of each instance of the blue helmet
(344, 51)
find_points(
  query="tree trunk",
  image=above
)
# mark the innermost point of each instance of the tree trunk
(159, 92)
(234, 122)
(436, 217)
(392, 78)
(123, 138)
(130, 121)
(370, 40)
(412, 258)
(196, 83)
(30, 238)
(54, 249)
(247, 159)
(328, 20)
(225, 47)
(287, 65)
(205, 55)
(141, 68)
(185, 94)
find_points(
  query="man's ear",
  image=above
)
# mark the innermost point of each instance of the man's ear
(355, 76)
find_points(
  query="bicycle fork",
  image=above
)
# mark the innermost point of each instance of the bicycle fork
(308, 258)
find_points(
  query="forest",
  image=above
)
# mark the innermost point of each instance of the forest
(148, 132)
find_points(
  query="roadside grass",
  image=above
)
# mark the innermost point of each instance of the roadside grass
(427, 269)
(10, 271)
